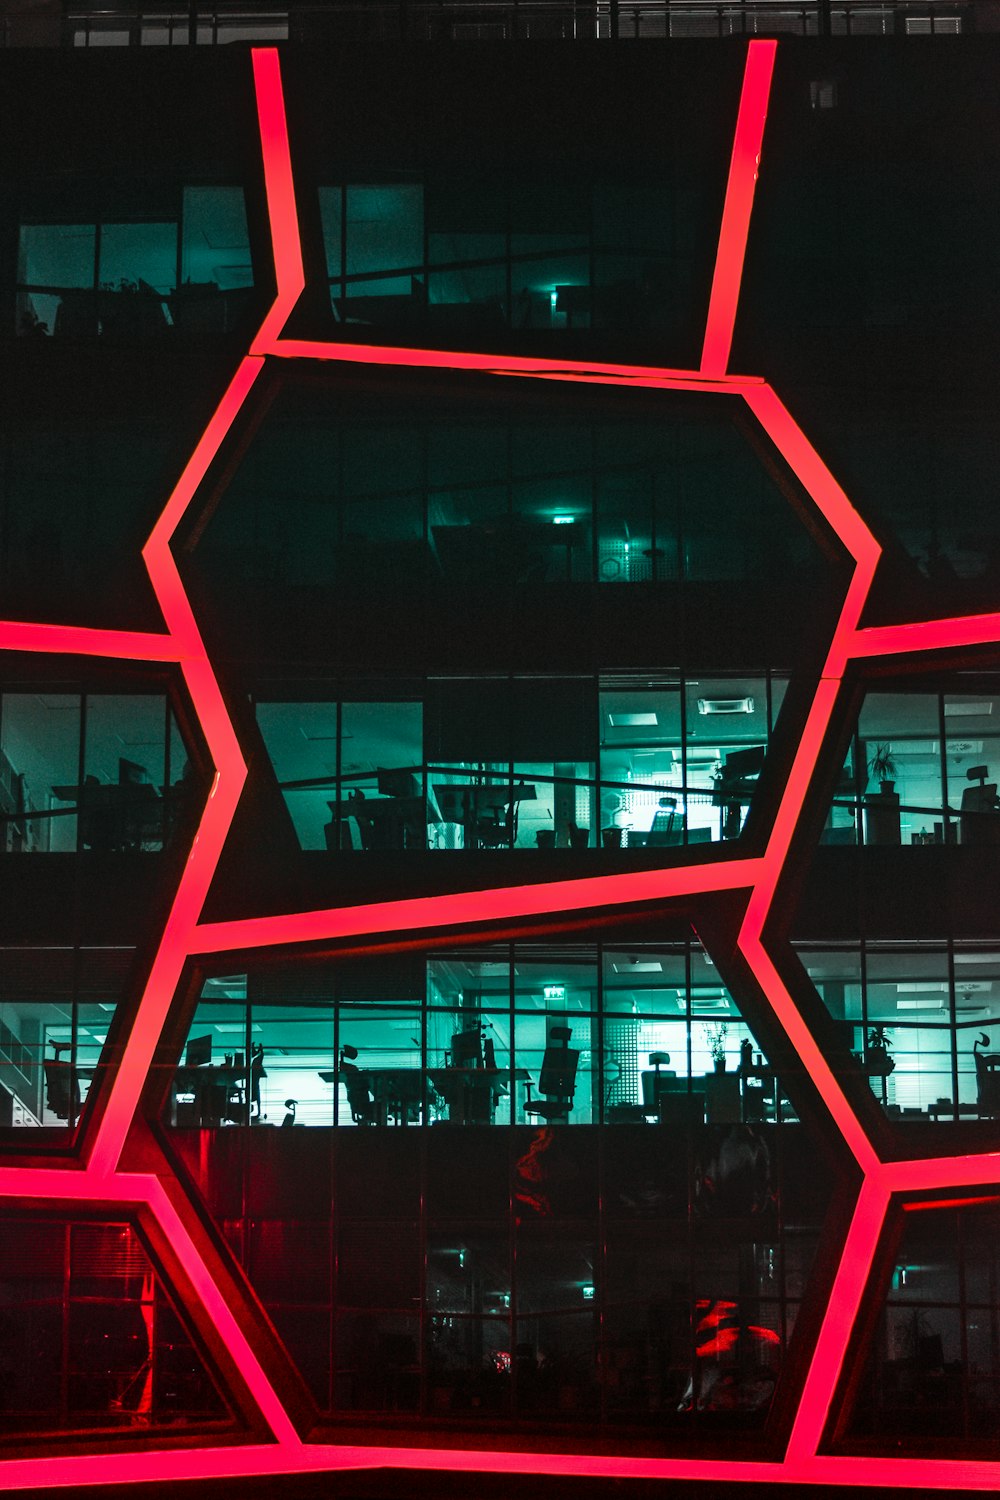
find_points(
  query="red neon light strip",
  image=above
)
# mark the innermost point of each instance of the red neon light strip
(505, 364)
(75, 640)
(927, 635)
(99, 1183)
(747, 142)
(498, 904)
(279, 189)
(838, 1323)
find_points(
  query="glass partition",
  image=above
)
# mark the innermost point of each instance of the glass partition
(99, 772)
(56, 1008)
(533, 1034)
(919, 1020)
(918, 770)
(187, 272)
(525, 763)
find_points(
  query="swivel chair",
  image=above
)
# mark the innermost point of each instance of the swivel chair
(62, 1089)
(557, 1079)
(359, 1096)
(987, 1078)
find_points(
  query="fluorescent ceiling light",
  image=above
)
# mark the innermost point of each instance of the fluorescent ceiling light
(922, 988)
(639, 966)
(725, 705)
(920, 1004)
(232, 1028)
(632, 721)
(957, 709)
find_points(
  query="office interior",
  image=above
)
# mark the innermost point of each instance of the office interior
(525, 763)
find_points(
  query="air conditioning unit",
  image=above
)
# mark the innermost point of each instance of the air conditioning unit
(725, 705)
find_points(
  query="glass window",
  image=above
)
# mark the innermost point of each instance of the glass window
(351, 774)
(643, 802)
(908, 1045)
(57, 255)
(124, 773)
(972, 763)
(380, 1066)
(899, 764)
(215, 245)
(385, 227)
(40, 770)
(727, 735)
(371, 228)
(135, 253)
(301, 741)
(291, 1064)
(92, 1334)
(56, 1007)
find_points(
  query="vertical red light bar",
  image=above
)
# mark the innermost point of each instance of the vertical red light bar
(747, 143)
(279, 188)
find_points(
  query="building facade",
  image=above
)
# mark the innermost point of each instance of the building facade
(500, 579)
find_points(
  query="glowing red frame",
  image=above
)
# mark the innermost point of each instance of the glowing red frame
(98, 1179)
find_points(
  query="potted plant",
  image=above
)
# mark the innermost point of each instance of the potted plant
(882, 811)
(880, 1064)
(883, 768)
(715, 1035)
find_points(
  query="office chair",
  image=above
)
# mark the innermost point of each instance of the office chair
(257, 1072)
(978, 821)
(987, 1078)
(557, 1079)
(661, 831)
(62, 1090)
(359, 1096)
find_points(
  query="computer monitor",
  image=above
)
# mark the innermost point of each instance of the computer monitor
(393, 783)
(130, 773)
(453, 800)
(199, 1052)
(742, 763)
(467, 1049)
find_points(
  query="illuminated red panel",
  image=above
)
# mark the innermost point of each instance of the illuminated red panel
(100, 1182)
(748, 139)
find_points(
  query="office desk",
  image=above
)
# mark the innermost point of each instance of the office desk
(213, 1087)
(384, 822)
(468, 805)
(472, 1094)
(394, 1091)
(758, 1094)
(115, 816)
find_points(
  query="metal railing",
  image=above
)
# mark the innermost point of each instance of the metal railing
(486, 20)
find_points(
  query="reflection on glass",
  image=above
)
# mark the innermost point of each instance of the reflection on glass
(92, 1335)
(56, 1007)
(40, 750)
(933, 1365)
(921, 1024)
(123, 790)
(538, 1035)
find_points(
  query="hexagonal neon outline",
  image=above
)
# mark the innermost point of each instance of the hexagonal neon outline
(98, 1180)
